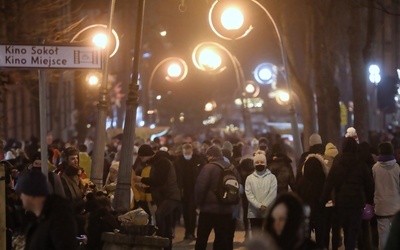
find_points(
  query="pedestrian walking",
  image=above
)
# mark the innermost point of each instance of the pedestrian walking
(350, 179)
(287, 223)
(164, 188)
(213, 214)
(54, 226)
(386, 174)
(188, 166)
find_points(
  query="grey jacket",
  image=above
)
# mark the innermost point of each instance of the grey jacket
(387, 187)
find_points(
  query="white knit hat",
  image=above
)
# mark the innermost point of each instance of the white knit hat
(351, 132)
(260, 157)
(314, 139)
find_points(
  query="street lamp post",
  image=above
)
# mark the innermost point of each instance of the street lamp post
(122, 193)
(176, 71)
(201, 59)
(101, 40)
(292, 111)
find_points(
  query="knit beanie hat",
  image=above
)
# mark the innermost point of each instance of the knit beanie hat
(145, 150)
(214, 151)
(260, 157)
(33, 183)
(386, 148)
(227, 145)
(314, 139)
(351, 132)
(331, 150)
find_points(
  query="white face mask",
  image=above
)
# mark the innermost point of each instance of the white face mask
(187, 157)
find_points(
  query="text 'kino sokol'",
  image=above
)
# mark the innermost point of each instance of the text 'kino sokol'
(41, 56)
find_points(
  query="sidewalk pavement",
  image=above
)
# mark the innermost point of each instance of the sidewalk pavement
(179, 244)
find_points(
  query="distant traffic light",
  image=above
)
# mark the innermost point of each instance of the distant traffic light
(387, 90)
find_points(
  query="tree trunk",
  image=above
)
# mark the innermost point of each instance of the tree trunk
(357, 35)
(299, 76)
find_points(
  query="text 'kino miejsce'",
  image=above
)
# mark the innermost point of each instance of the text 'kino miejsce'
(50, 56)
(40, 55)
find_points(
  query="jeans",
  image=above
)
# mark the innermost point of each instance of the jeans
(221, 224)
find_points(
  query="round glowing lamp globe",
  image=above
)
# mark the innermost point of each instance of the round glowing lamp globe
(100, 40)
(174, 70)
(232, 19)
(93, 80)
(210, 59)
(250, 88)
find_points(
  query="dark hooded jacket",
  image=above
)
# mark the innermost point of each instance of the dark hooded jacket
(280, 166)
(206, 188)
(162, 181)
(314, 149)
(351, 182)
(55, 228)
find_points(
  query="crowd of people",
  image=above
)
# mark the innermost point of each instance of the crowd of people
(330, 198)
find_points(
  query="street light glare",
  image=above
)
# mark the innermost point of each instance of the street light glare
(232, 19)
(208, 107)
(174, 70)
(210, 59)
(283, 96)
(265, 74)
(374, 69)
(375, 78)
(163, 33)
(100, 40)
(93, 80)
(250, 88)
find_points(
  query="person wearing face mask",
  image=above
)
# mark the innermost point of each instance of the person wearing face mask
(188, 166)
(260, 189)
(263, 144)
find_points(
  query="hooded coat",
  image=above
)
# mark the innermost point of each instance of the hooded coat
(162, 181)
(206, 188)
(55, 228)
(280, 166)
(387, 187)
(351, 181)
(260, 189)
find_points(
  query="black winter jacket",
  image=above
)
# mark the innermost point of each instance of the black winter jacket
(55, 228)
(280, 166)
(187, 172)
(162, 181)
(351, 182)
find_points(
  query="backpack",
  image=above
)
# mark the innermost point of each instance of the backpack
(228, 186)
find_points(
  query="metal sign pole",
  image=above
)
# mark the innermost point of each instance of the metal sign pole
(2, 207)
(43, 120)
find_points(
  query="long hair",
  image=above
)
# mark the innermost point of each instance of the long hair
(296, 225)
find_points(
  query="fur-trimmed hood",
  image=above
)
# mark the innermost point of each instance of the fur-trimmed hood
(321, 159)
